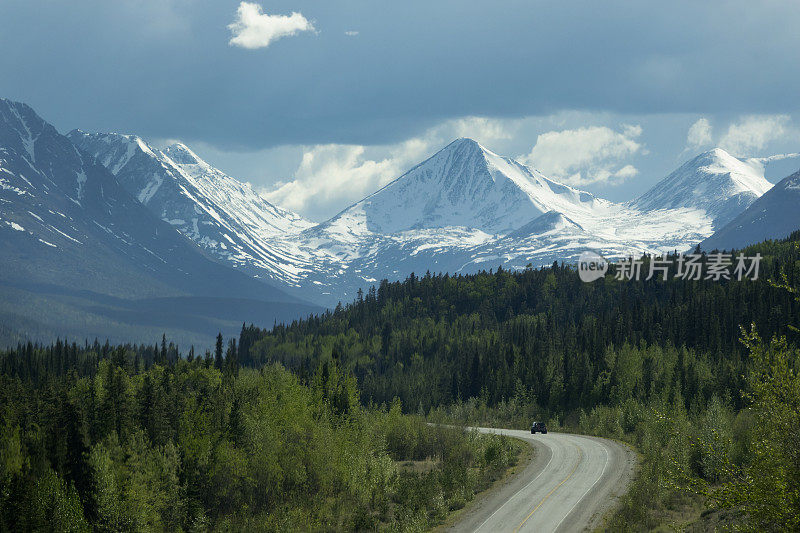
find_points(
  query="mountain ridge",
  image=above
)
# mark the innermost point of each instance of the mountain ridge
(77, 244)
(463, 209)
(225, 217)
(699, 183)
(774, 215)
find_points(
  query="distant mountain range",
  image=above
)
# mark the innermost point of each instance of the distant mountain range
(462, 210)
(113, 214)
(81, 256)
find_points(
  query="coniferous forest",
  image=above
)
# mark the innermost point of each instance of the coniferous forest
(320, 424)
(544, 336)
(137, 438)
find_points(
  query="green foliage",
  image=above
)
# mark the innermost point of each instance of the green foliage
(438, 339)
(189, 446)
(130, 438)
(766, 488)
(55, 506)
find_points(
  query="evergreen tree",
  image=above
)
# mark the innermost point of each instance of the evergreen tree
(162, 356)
(232, 358)
(218, 360)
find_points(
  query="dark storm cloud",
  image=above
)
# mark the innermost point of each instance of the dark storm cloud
(163, 68)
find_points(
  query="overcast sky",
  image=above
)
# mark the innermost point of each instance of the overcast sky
(319, 103)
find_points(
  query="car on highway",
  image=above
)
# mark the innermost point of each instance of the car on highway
(538, 426)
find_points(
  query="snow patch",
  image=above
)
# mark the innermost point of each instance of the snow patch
(81, 182)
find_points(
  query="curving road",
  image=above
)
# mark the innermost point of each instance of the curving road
(570, 484)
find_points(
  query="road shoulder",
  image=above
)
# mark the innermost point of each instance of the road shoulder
(625, 471)
(472, 515)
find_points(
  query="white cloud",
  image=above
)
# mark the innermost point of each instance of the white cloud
(753, 133)
(776, 157)
(482, 129)
(255, 29)
(586, 155)
(332, 176)
(628, 171)
(351, 33)
(700, 134)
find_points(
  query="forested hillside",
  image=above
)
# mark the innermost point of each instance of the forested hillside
(543, 335)
(132, 438)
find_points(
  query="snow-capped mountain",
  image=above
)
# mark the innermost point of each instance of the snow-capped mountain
(224, 216)
(773, 216)
(464, 185)
(112, 216)
(467, 209)
(72, 236)
(462, 210)
(714, 182)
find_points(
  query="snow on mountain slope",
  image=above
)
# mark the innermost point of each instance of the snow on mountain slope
(773, 216)
(464, 185)
(462, 210)
(224, 216)
(714, 181)
(75, 215)
(82, 257)
(461, 197)
(467, 209)
(467, 186)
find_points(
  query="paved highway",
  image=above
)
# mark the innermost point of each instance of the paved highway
(568, 486)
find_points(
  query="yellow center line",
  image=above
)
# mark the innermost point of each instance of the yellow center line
(574, 468)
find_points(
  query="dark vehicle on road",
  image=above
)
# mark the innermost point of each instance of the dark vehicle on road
(538, 426)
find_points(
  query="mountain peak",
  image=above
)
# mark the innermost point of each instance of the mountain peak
(112, 150)
(748, 173)
(21, 127)
(7, 105)
(463, 185)
(714, 181)
(717, 152)
(464, 143)
(724, 162)
(182, 154)
(19, 107)
(464, 147)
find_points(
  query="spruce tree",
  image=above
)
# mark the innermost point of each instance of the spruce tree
(232, 359)
(218, 361)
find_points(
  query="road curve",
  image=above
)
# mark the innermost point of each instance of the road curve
(568, 486)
